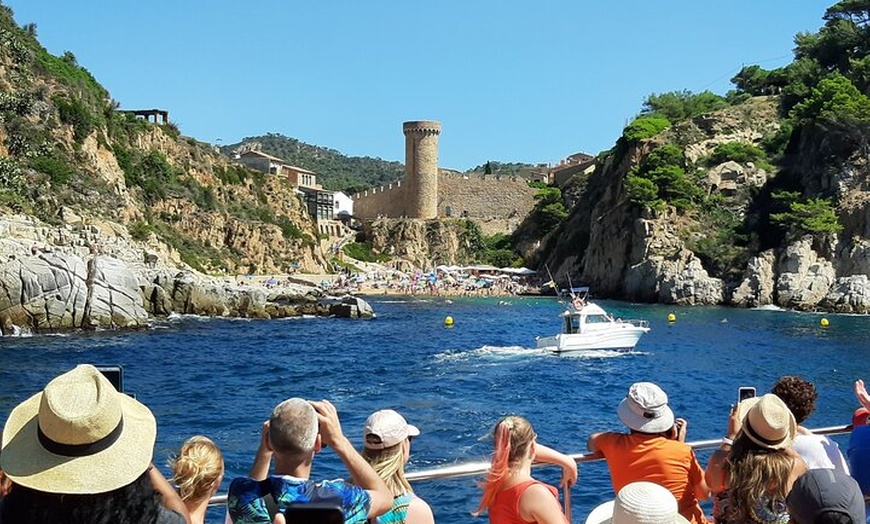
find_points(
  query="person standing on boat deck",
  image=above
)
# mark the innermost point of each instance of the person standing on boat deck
(654, 450)
(755, 466)
(510, 494)
(818, 451)
(387, 447)
(293, 435)
(197, 471)
(81, 452)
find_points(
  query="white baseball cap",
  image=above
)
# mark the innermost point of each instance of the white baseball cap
(386, 428)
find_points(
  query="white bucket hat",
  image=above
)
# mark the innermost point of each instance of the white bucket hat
(645, 409)
(78, 436)
(639, 503)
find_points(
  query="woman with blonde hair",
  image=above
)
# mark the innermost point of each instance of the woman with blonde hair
(387, 448)
(753, 471)
(510, 493)
(197, 471)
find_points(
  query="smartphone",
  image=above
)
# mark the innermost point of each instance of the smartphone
(313, 513)
(745, 392)
(115, 374)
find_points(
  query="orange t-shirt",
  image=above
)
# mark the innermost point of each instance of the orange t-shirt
(505, 508)
(653, 458)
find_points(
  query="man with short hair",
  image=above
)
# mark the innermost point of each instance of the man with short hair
(296, 431)
(654, 450)
(818, 451)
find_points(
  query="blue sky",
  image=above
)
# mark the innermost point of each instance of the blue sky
(513, 81)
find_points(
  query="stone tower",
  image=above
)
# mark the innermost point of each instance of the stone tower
(421, 168)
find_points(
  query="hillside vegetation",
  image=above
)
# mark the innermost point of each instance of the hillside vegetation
(67, 151)
(707, 198)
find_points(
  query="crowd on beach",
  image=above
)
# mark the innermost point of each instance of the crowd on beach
(437, 282)
(80, 452)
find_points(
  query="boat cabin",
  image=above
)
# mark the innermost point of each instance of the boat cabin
(586, 318)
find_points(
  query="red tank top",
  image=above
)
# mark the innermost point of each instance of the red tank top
(505, 508)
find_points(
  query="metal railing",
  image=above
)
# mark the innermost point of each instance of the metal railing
(470, 469)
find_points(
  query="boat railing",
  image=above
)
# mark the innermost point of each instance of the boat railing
(470, 469)
(636, 322)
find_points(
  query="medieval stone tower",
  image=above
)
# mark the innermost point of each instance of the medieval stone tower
(421, 168)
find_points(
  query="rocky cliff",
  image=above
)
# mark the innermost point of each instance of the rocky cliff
(107, 218)
(720, 251)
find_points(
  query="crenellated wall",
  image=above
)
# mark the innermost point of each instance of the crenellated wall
(385, 201)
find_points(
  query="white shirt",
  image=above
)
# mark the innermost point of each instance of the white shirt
(820, 452)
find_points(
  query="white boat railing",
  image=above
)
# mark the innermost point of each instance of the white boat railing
(636, 323)
(470, 469)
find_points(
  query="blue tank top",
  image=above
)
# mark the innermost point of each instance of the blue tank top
(399, 512)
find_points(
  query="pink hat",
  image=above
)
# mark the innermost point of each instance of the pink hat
(386, 428)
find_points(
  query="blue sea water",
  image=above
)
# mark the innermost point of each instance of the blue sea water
(221, 377)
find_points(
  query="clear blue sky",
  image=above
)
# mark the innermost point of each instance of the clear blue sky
(510, 80)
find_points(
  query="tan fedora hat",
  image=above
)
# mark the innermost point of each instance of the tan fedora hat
(78, 436)
(768, 422)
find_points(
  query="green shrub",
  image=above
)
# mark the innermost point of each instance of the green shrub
(645, 127)
(775, 143)
(813, 216)
(537, 184)
(56, 167)
(140, 230)
(681, 105)
(75, 113)
(642, 191)
(661, 179)
(740, 152)
(362, 251)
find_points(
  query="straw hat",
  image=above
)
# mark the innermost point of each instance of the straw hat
(767, 421)
(78, 436)
(645, 409)
(639, 503)
(386, 428)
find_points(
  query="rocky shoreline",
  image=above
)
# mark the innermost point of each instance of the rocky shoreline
(78, 276)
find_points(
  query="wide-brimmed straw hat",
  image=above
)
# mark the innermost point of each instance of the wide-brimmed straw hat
(767, 421)
(639, 503)
(645, 409)
(78, 436)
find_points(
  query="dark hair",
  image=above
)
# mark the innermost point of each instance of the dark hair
(798, 394)
(135, 503)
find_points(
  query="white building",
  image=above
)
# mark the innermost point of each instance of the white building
(343, 205)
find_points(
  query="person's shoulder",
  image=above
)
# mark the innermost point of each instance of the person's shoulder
(419, 512)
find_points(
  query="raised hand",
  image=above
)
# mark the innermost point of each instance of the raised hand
(861, 393)
(330, 426)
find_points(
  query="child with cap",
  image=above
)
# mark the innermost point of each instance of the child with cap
(654, 450)
(824, 496)
(387, 447)
(80, 451)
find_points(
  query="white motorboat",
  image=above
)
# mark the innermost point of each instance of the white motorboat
(586, 326)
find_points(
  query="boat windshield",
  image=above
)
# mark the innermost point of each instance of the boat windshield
(572, 324)
(597, 319)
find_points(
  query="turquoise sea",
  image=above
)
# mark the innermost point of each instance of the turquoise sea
(221, 377)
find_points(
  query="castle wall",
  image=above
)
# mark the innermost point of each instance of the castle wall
(484, 196)
(387, 201)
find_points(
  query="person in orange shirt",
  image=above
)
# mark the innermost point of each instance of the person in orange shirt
(654, 450)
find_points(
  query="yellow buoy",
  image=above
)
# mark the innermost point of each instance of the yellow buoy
(448, 321)
(672, 317)
(823, 322)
